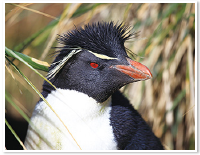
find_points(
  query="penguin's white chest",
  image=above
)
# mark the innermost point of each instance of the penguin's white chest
(87, 122)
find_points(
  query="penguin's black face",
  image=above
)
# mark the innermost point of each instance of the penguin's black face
(98, 76)
(101, 66)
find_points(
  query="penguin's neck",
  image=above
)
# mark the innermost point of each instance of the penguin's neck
(80, 104)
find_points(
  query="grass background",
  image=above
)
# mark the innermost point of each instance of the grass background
(166, 45)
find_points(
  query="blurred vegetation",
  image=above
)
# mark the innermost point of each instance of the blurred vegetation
(166, 45)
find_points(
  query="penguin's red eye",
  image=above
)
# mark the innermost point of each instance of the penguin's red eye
(94, 65)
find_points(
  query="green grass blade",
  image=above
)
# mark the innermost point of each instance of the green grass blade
(82, 9)
(8, 98)
(177, 100)
(27, 41)
(14, 133)
(26, 63)
(27, 80)
(37, 64)
(85, 8)
(171, 8)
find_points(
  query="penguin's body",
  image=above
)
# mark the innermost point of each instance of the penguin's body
(87, 120)
(87, 73)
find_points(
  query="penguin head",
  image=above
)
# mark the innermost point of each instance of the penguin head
(94, 61)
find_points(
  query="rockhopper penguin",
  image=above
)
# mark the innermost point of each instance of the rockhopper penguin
(87, 73)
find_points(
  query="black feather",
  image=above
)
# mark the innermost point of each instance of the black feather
(130, 130)
(98, 37)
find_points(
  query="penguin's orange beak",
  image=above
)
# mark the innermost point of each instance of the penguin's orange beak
(135, 70)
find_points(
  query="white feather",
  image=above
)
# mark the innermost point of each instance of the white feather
(87, 120)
